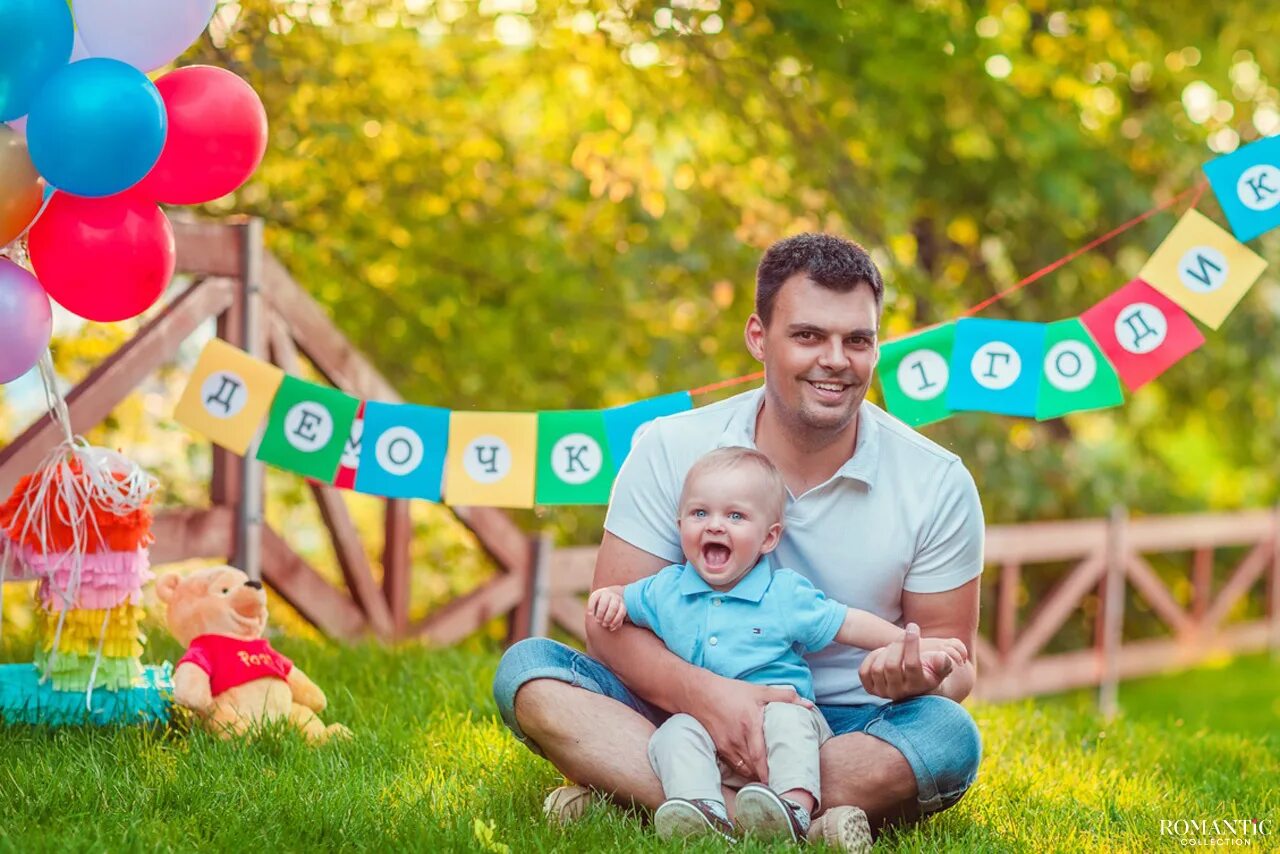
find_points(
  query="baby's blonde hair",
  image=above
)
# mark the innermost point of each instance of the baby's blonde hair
(772, 486)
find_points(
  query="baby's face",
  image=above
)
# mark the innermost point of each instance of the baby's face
(726, 523)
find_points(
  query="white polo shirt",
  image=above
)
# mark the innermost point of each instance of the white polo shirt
(901, 514)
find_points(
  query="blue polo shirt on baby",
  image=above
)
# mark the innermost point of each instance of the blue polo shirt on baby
(756, 631)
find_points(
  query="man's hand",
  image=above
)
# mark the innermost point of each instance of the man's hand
(900, 670)
(608, 607)
(733, 713)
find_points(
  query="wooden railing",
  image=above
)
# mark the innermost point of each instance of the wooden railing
(262, 310)
(1106, 559)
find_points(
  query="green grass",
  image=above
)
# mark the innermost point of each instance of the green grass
(432, 769)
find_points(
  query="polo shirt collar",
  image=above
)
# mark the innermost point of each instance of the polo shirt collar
(751, 587)
(862, 466)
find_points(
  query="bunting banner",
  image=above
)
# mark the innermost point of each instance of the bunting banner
(492, 459)
(523, 459)
(915, 372)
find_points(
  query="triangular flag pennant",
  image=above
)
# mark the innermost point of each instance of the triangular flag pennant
(403, 450)
(995, 366)
(349, 464)
(624, 424)
(914, 375)
(1203, 269)
(573, 458)
(1142, 332)
(1247, 184)
(492, 459)
(307, 429)
(1076, 376)
(228, 395)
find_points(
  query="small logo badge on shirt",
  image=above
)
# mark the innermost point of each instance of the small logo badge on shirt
(755, 631)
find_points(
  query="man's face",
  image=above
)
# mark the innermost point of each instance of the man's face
(819, 352)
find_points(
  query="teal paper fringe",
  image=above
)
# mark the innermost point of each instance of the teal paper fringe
(23, 700)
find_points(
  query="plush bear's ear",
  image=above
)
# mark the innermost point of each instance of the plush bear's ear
(167, 585)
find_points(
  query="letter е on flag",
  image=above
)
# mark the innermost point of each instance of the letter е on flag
(307, 429)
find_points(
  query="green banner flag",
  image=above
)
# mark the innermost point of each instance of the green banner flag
(914, 375)
(573, 458)
(307, 429)
(1076, 375)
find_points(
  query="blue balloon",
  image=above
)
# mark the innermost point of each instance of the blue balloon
(97, 128)
(35, 41)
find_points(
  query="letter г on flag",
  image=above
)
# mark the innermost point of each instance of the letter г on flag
(995, 366)
(624, 424)
(1203, 269)
(914, 374)
(1142, 332)
(1247, 184)
(403, 450)
(228, 395)
(307, 429)
(492, 459)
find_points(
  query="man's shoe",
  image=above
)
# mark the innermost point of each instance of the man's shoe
(761, 812)
(567, 804)
(680, 818)
(845, 828)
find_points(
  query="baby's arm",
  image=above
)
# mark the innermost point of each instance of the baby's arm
(867, 631)
(607, 606)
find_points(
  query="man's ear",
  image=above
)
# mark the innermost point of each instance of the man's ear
(167, 585)
(754, 336)
(771, 538)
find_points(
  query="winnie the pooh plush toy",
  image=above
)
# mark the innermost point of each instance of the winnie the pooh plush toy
(230, 676)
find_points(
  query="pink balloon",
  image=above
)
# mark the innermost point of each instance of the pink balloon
(26, 321)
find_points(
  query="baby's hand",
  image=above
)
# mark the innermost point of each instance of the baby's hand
(953, 647)
(607, 606)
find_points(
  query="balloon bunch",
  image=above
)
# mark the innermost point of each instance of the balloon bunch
(91, 148)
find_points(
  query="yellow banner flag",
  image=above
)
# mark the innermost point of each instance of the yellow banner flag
(1203, 268)
(228, 396)
(493, 457)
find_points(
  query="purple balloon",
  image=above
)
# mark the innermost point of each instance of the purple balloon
(26, 321)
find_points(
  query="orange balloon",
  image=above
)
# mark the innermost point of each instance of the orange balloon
(20, 190)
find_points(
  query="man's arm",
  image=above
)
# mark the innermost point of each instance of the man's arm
(949, 614)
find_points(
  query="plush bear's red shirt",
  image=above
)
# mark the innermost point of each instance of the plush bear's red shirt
(231, 661)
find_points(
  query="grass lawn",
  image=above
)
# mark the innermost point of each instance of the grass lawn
(432, 769)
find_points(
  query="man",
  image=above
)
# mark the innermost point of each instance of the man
(877, 516)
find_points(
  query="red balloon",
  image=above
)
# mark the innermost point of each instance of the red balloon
(216, 138)
(103, 259)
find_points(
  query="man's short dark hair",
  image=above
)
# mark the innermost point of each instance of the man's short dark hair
(832, 262)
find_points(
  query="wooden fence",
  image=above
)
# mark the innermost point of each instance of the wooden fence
(261, 309)
(1107, 559)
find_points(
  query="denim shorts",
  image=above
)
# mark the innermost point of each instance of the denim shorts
(937, 735)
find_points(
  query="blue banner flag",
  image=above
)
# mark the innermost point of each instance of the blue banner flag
(402, 450)
(624, 424)
(996, 366)
(1247, 184)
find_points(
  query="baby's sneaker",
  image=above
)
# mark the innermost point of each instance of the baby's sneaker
(761, 812)
(679, 818)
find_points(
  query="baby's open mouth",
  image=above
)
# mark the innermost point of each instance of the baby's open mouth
(715, 555)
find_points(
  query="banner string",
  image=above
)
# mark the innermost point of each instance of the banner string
(1197, 190)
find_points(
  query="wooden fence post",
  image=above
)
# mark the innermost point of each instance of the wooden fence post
(1113, 611)
(249, 509)
(1273, 586)
(540, 587)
